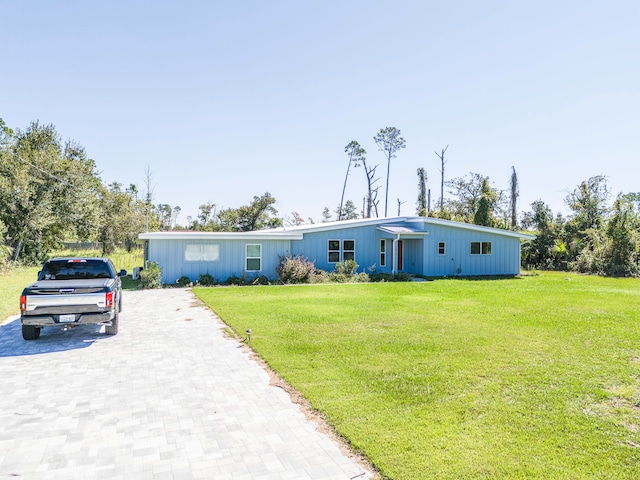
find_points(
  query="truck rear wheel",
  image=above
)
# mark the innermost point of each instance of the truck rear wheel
(113, 328)
(29, 332)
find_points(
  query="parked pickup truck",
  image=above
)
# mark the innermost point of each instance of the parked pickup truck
(71, 292)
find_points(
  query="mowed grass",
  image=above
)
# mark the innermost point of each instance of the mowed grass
(122, 259)
(531, 377)
(11, 284)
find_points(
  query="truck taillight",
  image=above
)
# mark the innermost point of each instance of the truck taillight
(23, 303)
(109, 299)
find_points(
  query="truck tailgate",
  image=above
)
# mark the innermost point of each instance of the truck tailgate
(62, 300)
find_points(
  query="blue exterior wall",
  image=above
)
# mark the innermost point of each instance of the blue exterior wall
(169, 254)
(458, 260)
(413, 256)
(226, 257)
(315, 247)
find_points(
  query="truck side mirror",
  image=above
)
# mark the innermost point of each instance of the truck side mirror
(123, 273)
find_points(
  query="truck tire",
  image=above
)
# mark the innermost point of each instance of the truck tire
(29, 332)
(113, 328)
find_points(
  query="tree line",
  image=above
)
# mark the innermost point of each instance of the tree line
(51, 192)
(599, 236)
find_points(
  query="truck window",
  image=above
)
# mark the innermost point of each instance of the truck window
(67, 270)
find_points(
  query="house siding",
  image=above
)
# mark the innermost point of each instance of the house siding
(458, 260)
(314, 247)
(223, 255)
(413, 256)
(169, 254)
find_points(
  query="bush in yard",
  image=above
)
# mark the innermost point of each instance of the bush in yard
(238, 281)
(389, 277)
(361, 278)
(345, 272)
(184, 282)
(319, 276)
(295, 269)
(151, 276)
(338, 277)
(205, 280)
(261, 280)
(346, 267)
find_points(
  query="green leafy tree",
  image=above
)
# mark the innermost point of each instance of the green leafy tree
(123, 217)
(484, 214)
(166, 215)
(207, 219)
(583, 230)
(389, 142)
(326, 215)
(550, 249)
(47, 191)
(348, 212)
(588, 202)
(623, 231)
(473, 196)
(260, 214)
(5, 250)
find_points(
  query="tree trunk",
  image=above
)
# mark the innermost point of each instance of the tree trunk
(16, 252)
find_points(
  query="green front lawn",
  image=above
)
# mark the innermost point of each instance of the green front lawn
(11, 285)
(532, 377)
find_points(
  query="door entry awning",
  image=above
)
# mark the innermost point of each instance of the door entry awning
(403, 233)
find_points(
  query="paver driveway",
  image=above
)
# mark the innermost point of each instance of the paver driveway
(169, 397)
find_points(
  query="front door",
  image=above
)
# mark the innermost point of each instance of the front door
(399, 255)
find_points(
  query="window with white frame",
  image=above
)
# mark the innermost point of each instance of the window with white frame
(480, 248)
(442, 248)
(348, 250)
(334, 251)
(253, 262)
(340, 250)
(198, 252)
(383, 252)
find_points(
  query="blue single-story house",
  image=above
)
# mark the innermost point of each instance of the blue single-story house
(413, 245)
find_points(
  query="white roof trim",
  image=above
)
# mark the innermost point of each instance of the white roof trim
(297, 232)
(471, 226)
(257, 235)
(402, 231)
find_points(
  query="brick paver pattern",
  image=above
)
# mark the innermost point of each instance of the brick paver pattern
(169, 397)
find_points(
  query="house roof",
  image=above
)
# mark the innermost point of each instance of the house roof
(402, 232)
(396, 224)
(191, 235)
(477, 228)
(406, 227)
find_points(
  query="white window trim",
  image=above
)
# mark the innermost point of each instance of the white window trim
(329, 251)
(481, 249)
(341, 250)
(247, 257)
(383, 241)
(201, 252)
(349, 251)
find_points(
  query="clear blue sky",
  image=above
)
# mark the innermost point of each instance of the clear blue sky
(227, 100)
